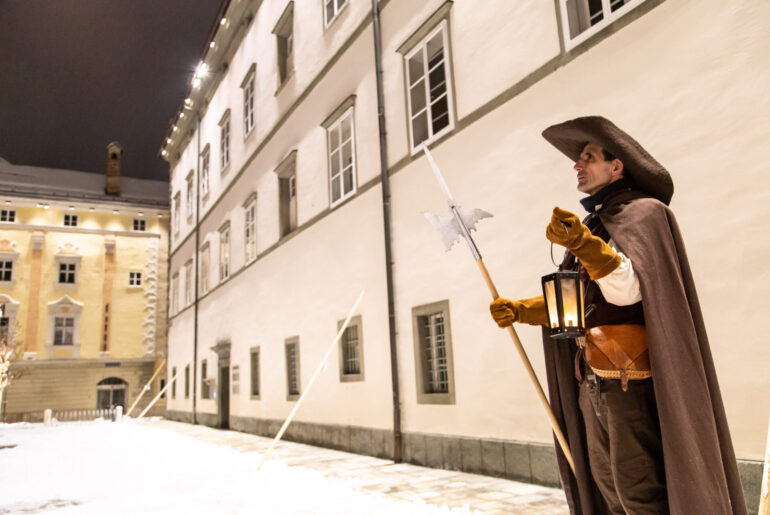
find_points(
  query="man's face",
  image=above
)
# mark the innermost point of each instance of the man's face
(593, 172)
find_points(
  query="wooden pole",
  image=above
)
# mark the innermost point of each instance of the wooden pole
(530, 370)
(152, 403)
(310, 383)
(146, 387)
(764, 492)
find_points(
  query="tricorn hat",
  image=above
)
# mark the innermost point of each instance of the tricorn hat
(571, 137)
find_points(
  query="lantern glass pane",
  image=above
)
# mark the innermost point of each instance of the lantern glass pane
(582, 310)
(569, 293)
(550, 302)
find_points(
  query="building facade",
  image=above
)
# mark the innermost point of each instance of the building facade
(279, 217)
(84, 264)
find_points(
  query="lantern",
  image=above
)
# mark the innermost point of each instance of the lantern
(563, 294)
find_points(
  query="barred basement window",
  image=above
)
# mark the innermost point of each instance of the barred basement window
(205, 392)
(162, 386)
(63, 330)
(254, 371)
(433, 354)
(187, 382)
(429, 92)
(140, 224)
(331, 9)
(173, 385)
(135, 278)
(581, 19)
(71, 220)
(236, 382)
(292, 368)
(7, 215)
(351, 351)
(6, 271)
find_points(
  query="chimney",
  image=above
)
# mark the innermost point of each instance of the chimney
(114, 155)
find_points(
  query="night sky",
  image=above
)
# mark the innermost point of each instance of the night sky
(77, 74)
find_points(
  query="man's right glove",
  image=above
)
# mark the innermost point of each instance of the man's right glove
(526, 311)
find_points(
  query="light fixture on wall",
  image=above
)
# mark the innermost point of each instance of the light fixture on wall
(90, 209)
(115, 211)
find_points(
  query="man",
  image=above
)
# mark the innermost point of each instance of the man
(637, 398)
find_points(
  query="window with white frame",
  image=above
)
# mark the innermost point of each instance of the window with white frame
(190, 197)
(70, 220)
(224, 252)
(205, 161)
(204, 271)
(351, 351)
(341, 151)
(175, 293)
(140, 224)
(292, 368)
(68, 271)
(582, 19)
(284, 33)
(7, 215)
(433, 354)
(331, 9)
(188, 283)
(6, 270)
(429, 91)
(63, 330)
(250, 227)
(248, 100)
(176, 215)
(135, 278)
(224, 141)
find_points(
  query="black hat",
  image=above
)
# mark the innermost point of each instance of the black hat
(571, 137)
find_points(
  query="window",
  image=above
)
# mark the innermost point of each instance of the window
(188, 283)
(284, 32)
(190, 197)
(287, 189)
(176, 215)
(187, 382)
(173, 384)
(248, 100)
(292, 368)
(7, 215)
(106, 328)
(175, 293)
(236, 381)
(163, 388)
(582, 19)
(5, 323)
(250, 228)
(67, 273)
(63, 330)
(351, 351)
(428, 88)
(433, 354)
(254, 371)
(224, 252)
(224, 141)
(342, 170)
(205, 392)
(71, 220)
(135, 278)
(140, 224)
(204, 271)
(205, 158)
(6, 270)
(332, 9)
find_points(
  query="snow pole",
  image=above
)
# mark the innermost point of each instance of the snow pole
(459, 225)
(310, 383)
(146, 387)
(160, 393)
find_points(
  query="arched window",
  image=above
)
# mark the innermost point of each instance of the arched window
(111, 392)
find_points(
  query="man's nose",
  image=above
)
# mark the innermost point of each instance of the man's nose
(578, 166)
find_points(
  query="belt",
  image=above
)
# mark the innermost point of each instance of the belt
(618, 352)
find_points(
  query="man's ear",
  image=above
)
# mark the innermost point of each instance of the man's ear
(617, 168)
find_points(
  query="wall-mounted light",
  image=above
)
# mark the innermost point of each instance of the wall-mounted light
(140, 214)
(188, 101)
(163, 152)
(91, 210)
(181, 115)
(160, 215)
(7, 202)
(115, 211)
(168, 140)
(196, 82)
(46, 206)
(211, 45)
(223, 21)
(72, 208)
(175, 128)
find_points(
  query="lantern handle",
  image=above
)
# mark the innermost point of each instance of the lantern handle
(566, 229)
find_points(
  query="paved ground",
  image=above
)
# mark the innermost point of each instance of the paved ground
(403, 481)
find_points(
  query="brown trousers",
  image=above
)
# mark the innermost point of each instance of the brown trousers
(624, 445)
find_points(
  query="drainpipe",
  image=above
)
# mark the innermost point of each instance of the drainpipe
(385, 179)
(195, 264)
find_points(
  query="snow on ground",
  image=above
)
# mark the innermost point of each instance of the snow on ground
(90, 468)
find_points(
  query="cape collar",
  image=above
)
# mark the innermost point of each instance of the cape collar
(595, 202)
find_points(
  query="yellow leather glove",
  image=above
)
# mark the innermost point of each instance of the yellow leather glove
(599, 258)
(526, 311)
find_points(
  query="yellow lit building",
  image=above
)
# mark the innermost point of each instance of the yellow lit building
(83, 274)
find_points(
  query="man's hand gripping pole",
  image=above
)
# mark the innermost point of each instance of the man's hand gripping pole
(460, 224)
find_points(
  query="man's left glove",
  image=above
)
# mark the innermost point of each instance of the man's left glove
(599, 258)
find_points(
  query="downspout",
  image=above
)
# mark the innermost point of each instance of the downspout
(385, 179)
(195, 264)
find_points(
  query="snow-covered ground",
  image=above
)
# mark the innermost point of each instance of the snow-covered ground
(108, 468)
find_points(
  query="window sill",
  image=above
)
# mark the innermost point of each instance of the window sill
(351, 378)
(255, 397)
(66, 286)
(293, 397)
(282, 85)
(224, 169)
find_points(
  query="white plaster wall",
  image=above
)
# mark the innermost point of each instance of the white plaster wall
(180, 354)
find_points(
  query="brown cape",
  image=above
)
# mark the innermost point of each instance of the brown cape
(701, 471)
